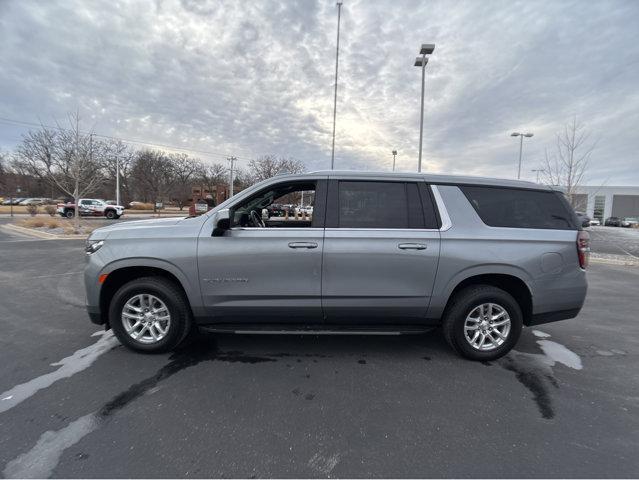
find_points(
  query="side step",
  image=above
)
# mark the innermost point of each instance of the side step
(316, 329)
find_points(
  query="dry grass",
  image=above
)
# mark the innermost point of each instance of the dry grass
(52, 223)
(16, 209)
(142, 206)
(33, 222)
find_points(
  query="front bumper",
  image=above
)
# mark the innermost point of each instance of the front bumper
(95, 315)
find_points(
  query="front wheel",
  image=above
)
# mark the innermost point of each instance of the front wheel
(69, 213)
(150, 314)
(482, 322)
(110, 214)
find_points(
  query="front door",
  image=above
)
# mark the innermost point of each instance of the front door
(265, 274)
(381, 251)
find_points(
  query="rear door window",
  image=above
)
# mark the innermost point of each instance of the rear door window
(519, 208)
(372, 205)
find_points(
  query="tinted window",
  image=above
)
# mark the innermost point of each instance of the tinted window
(372, 205)
(516, 208)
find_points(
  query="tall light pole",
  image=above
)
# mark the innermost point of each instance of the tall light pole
(394, 155)
(117, 180)
(231, 161)
(521, 146)
(538, 171)
(427, 49)
(339, 16)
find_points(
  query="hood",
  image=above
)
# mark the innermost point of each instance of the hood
(103, 232)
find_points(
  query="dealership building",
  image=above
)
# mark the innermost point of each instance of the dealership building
(605, 201)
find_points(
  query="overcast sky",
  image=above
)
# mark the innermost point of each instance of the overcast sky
(256, 77)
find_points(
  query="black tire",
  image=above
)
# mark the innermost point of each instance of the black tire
(69, 213)
(110, 214)
(175, 301)
(463, 303)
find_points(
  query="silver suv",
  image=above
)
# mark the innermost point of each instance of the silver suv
(380, 253)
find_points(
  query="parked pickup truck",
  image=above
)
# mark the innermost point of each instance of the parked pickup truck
(383, 253)
(91, 207)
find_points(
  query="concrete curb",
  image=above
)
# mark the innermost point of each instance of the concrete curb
(42, 235)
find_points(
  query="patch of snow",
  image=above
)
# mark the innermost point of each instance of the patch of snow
(559, 353)
(41, 460)
(80, 360)
(540, 334)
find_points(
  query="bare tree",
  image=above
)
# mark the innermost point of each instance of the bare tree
(268, 166)
(65, 158)
(185, 170)
(568, 165)
(212, 175)
(4, 170)
(153, 174)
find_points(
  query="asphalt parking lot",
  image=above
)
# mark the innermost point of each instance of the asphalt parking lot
(73, 403)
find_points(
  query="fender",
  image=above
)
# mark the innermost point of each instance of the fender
(192, 290)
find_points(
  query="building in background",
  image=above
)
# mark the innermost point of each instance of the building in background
(219, 193)
(606, 201)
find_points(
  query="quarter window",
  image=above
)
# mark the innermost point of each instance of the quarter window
(518, 208)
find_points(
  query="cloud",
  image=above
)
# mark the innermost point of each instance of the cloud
(250, 78)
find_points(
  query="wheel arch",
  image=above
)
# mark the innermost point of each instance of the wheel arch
(125, 273)
(508, 282)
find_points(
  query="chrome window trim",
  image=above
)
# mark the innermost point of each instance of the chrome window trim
(443, 213)
(279, 229)
(366, 229)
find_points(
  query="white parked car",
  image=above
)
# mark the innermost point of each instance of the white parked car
(32, 201)
(594, 221)
(629, 222)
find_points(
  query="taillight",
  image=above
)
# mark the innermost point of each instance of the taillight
(583, 248)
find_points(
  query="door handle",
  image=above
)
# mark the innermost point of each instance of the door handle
(302, 245)
(412, 246)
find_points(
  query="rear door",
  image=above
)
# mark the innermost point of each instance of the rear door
(381, 252)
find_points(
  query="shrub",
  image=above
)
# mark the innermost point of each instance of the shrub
(32, 210)
(53, 224)
(142, 206)
(51, 210)
(32, 223)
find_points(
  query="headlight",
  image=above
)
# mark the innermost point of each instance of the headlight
(93, 246)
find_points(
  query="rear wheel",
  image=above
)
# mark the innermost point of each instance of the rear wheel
(482, 322)
(150, 314)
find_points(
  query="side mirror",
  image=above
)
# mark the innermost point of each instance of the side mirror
(222, 223)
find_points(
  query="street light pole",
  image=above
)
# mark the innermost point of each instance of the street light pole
(426, 49)
(521, 147)
(394, 152)
(538, 171)
(339, 16)
(232, 161)
(117, 180)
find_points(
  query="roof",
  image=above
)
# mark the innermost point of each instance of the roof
(435, 178)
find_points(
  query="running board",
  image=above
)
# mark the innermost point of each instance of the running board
(243, 330)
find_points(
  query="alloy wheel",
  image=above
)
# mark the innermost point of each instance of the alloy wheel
(487, 326)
